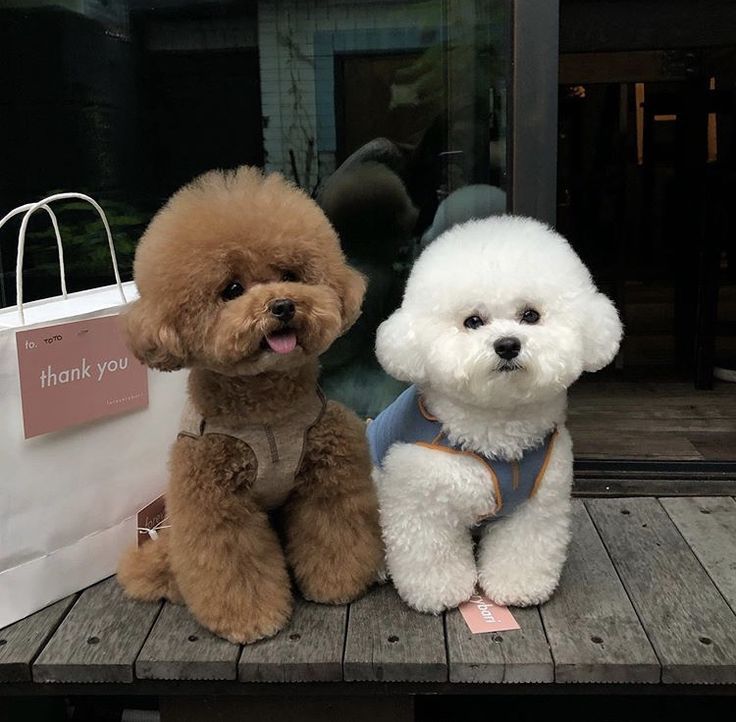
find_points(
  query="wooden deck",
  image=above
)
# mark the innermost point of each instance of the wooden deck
(653, 421)
(647, 600)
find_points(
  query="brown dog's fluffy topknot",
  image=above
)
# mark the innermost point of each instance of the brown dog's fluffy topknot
(240, 226)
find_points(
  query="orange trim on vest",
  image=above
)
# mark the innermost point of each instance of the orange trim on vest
(472, 455)
(423, 410)
(543, 470)
(515, 473)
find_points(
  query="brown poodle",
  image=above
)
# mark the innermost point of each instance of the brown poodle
(242, 279)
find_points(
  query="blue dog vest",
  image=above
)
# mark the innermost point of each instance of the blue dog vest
(406, 420)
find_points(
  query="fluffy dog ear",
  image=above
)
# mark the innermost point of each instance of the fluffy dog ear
(151, 339)
(352, 290)
(602, 331)
(395, 349)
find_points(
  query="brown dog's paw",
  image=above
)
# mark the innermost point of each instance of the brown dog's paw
(349, 593)
(245, 622)
(340, 589)
(254, 632)
(342, 567)
(144, 573)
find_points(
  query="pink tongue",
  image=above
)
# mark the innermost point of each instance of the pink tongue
(282, 343)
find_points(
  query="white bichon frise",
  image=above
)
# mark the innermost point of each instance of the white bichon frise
(499, 318)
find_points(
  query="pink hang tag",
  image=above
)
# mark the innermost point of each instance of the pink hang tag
(483, 615)
(73, 373)
(151, 520)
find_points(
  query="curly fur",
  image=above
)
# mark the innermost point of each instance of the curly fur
(496, 269)
(222, 555)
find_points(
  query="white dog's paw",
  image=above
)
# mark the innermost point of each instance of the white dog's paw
(517, 587)
(436, 592)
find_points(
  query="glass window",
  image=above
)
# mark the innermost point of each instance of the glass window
(392, 114)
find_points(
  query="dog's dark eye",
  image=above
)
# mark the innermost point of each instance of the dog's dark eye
(289, 277)
(473, 322)
(530, 316)
(232, 290)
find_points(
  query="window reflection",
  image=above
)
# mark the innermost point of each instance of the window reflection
(392, 114)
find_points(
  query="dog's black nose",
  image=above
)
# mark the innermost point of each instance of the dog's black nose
(507, 347)
(283, 309)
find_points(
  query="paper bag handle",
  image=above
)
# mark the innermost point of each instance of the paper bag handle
(55, 224)
(22, 239)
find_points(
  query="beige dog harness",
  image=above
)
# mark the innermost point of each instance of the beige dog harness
(279, 450)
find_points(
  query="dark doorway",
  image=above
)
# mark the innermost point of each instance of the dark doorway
(646, 182)
(646, 168)
(367, 102)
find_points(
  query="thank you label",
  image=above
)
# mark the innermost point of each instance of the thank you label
(73, 373)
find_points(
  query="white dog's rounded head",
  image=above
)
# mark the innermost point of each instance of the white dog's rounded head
(496, 312)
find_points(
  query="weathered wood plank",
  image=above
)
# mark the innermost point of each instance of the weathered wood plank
(99, 639)
(591, 625)
(308, 649)
(690, 626)
(389, 642)
(660, 420)
(714, 445)
(21, 642)
(521, 655)
(666, 392)
(178, 647)
(591, 443)
(618, 422)
(709, 527)
(583, 486)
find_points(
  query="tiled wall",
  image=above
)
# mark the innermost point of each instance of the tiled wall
(298, 42)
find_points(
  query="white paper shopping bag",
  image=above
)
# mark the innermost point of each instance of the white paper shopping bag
(84, 435)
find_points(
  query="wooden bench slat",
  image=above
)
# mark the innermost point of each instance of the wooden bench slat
(709, 527)
(521, 655)
(308, 649)
(178, 647)
(690, 626)
(99, 639)
(389, 642)
(590, 622)
(21, 642)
